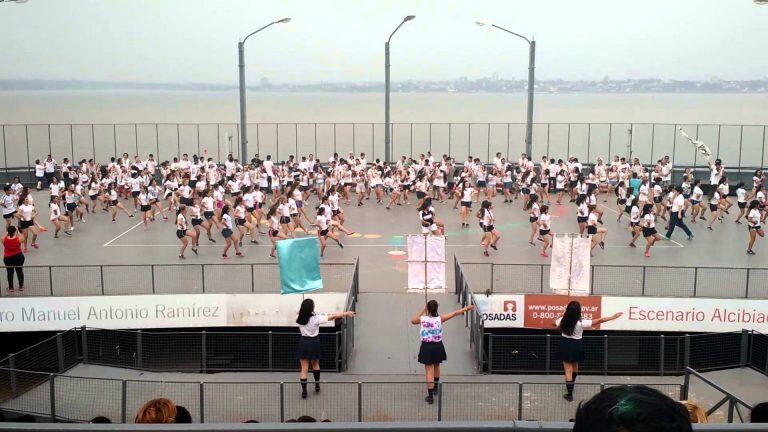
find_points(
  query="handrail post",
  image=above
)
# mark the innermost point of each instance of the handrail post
(605, 354)
(50, 280)
(84, 343)
(661, 355)
(101, 275)
(359, 402)
(139, 350)
(204, 352)
(744, 355)
(439, 388)
(686, 383)
(282, 402)
(53, 397)
(730, 409)
(269, 352)
(124, 402)
(12, 373)
(519, 401)
(201, 391)
(60, 352)
(548, 348)
(490, 353)
(687, 350)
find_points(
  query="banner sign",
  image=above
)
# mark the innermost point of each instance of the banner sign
(299, 261)
(640, 313)
(159, 311)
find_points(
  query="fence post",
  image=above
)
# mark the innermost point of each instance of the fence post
(270, 351)
(492, 266)
(686, 384)
(84, 343)
(695, 279)
(152, 270)
(490, 353)
(687, 350)
(60, 351)
(338, 354)
(139, 350)
(439, 388)
(101, 275)
(204, 351)
(744, 358)
(53, 397)
(124, 402)
(548, 338)
(359, 402)
(643, 291)
(730, 399)
(746, 289)
(202, 273)
(519, 401)
(201, 386)
(282, 402)
(12, 373)
(50, 280)
(605, 354)
(661, 356)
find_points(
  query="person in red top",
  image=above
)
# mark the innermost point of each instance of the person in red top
(13, 257)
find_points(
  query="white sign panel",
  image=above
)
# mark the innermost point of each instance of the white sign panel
(433, 252)
(686, 314)
(158, 311)
(501, 310)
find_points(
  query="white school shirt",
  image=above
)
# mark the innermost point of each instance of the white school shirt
(649, 221)
(207, 203)
(25, 210)
(697, 194)
(753, 219)
(535, 212)
(226, 220)
(143, 199)
(9, 204)
(488, 218)
(312, 327)
(467, 194)
(741, 195)
(592, 219)
(322, 222)
(578, 329)
(55, 188)
(55, 211)
(181, 222)
(634, 215)
(431, 329)
(678, 203)
(544, 221)
(39, 170)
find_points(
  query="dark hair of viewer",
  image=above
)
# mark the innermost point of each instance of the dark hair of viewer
(759, 413)
(633, 408)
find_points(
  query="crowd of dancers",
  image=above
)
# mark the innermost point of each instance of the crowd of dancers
(203, 196)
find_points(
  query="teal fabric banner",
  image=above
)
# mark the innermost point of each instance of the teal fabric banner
(299, 265)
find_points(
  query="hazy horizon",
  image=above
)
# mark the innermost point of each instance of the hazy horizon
(194, 41)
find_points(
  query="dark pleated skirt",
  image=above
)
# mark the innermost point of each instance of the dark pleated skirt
(309, 348)
(571, 350)
(432, 353)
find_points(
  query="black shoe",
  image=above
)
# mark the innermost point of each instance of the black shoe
(602, 245)
(494, 247)
(317, 387)
(341, 245)
(568, 397)
(429, 399)
(304, 394)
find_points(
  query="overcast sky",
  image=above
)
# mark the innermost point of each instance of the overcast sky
(343, 40)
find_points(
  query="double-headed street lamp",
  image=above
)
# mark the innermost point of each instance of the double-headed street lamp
(531, 67)
(241, 67)
(387, 134)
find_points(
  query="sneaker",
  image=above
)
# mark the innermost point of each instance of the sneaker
(67, 233)
(71, 228)
(690, 237)
(485, 253)
(182, 257)
(239, 254)
(131, 216)
(317, 387)
(602, 245)
(21, 288)
(544, 254)
(341, 245)
(751, 252)
(632, 245)
(494, 247)
(304, 394)
(34, 245)
(194, 250)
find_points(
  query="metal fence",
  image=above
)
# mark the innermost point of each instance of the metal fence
(621, 280)
(95, 280)
(737, 145)
(515, 426)
(613, 353)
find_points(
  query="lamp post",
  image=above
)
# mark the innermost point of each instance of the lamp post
(241, 67)
(531, 67)
(387, 135)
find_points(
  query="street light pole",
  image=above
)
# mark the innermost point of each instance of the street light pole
(531, 80)
(387, 133)
(241, 70)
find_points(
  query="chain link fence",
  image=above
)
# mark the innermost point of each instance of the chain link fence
(738, 145)
(623, 280)
(94, 280)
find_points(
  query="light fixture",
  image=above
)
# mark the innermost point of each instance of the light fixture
(284, 20)
(409, 18)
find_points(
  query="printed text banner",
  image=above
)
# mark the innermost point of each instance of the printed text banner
(159, 311)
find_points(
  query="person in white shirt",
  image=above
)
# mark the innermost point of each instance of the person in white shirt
(491, 235)
(225, 220)
(57, 218)
(308, 350)
(324, 224)
(466, 193)
(545, 230)
(597, 233)
(741, 201)
(50, 169)
(39, 174)
(183, 231)
(571, 350)
(716, 172)
(649, 228)
(26, 215)
(753, 223)
(677, 214)
(8, 202)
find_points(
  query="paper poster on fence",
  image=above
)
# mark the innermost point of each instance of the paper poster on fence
(426, 263)
(569, 271)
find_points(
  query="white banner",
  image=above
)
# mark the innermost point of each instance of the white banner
(159, 311)
(433, 252)
(501, 310)
(686, 314)
(569, 270)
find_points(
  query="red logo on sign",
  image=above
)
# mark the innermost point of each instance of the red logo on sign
(510, 306)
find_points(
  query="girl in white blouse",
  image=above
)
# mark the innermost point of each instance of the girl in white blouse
(753, 223)
(571, 350)
(308, 350)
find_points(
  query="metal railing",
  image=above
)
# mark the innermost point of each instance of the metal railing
(95, 280)
(734, 403)
(737, 145)
(508, 426)
(624, 280)
(610, 353)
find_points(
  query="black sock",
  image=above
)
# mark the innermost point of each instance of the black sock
(575, 374)
(304, 385)
(316, 374)
(437, 383)
(430, 392)
(569, 387)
